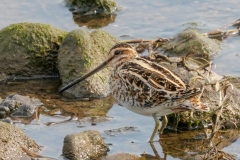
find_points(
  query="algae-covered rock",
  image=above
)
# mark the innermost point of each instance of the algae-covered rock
(79, 53)
(85, 145)
(191, 41)
(18, 106)
(93, 13)
(91, 7)
(13, 140)
(29, 49)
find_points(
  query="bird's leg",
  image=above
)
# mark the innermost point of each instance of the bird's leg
(164, 124)
(177, 120)
(157, 125)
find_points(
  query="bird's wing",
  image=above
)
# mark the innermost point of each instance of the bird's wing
(154, 81)
(152, 74)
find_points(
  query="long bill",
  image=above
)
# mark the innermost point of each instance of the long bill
(101, 66)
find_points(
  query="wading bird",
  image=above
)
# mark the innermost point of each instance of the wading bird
(145, 87)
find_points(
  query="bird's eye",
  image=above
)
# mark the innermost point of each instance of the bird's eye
(117, 52)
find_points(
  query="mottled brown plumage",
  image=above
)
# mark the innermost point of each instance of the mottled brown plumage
(145, 87)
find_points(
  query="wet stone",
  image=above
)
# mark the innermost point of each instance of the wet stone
(93, 13)
(12, 140)
(92, 7)
(16, 105)
(7, 120)
(85, 145)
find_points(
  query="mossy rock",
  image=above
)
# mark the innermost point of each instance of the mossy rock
(80, 52)
(29, 49)
(191, 42)
(13, 141)
(92, 7)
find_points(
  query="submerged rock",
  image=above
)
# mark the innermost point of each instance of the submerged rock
(19, 106)
(123, 130)
(85, 145)
(29, 49)
(13, 140)
(79, 53)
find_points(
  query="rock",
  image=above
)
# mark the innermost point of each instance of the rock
(191, 42)
(79, 53)
(29, 49)
(92, 7)
(12, 140)
(85, 145)
(93, 13)
(18, 106)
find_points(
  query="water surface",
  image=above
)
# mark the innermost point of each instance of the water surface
(138, 19)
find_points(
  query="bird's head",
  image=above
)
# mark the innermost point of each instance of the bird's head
(120, 53)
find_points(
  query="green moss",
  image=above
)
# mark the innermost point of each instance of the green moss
(36, 42)
(87, 50)
(190, 41)
(93, 6)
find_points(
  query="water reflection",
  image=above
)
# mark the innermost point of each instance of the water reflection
(54, 104)
(193, 145)
(94, 22)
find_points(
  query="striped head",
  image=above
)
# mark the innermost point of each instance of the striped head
(120, 53)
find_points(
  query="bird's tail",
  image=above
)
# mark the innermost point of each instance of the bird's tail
(197, 105)
(189, 104)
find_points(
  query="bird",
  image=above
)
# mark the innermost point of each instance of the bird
(144, 86)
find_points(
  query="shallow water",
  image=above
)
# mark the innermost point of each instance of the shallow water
(138, 19)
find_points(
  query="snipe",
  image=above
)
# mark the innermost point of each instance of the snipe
(145, 87)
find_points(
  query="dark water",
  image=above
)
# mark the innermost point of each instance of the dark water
(138, 19)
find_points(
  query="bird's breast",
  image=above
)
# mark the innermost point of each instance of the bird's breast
(120, 90)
